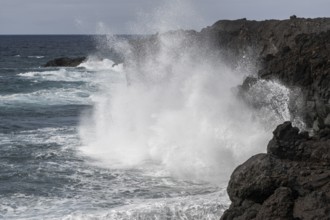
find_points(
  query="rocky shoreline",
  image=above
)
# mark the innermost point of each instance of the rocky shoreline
(291, 181)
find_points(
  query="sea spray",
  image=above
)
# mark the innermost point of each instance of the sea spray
(179, 110)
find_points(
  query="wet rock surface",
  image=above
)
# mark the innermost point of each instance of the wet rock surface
(290, 181)
(295, 52)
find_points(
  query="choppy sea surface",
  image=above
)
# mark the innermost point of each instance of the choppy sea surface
(44, 174)
(155, 137)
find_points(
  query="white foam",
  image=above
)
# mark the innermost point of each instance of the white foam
(272, 100)
(48, 97)
(203, 207)
(59, 75)
(37, 57)
(95, 64)
(61, 136)
(181, 112)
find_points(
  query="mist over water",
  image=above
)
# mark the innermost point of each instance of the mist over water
(155, 137)
(175, 106)
(178, 110)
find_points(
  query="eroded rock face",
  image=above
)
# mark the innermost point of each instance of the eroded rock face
(260, 39)
(291, 181)
(65, 62)
(305, 64)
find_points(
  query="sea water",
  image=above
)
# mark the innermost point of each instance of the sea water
(107, 140)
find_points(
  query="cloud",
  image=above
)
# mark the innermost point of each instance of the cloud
(61, 16)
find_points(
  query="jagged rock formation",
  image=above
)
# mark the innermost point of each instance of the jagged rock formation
(260, 38)
(65, 62)
(305, 64)
(291, 181)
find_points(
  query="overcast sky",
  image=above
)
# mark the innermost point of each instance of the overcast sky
(142, 16)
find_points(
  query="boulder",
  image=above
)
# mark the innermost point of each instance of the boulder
(290, 181)
(65, 62)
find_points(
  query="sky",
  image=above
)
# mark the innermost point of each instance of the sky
(142, 16)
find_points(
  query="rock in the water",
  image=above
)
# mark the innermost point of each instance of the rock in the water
(65, 62)
(291, 181)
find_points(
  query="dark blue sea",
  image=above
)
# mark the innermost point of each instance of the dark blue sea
(79, 143)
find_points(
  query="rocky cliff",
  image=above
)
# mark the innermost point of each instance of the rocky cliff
(291, 181)
(260, 39)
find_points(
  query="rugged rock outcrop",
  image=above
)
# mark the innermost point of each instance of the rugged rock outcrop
(259, 38)
(295, 52)
(65, 62)
(291, 181)
(305, 64)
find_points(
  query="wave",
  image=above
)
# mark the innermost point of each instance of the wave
(95, 64)
(203, 207)
(180, 111)
(177, 106)
(62, 96)
(59, 75)
(61, 178)
(84, 93)
(37, 57)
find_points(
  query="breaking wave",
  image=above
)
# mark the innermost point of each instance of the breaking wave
(172, 109)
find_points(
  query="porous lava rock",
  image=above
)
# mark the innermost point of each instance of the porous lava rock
(290, 181)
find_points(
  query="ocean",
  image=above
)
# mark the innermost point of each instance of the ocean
(108, 141)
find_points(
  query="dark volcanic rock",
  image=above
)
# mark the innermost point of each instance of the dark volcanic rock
(235, 40)
(291, 181)
(307, 66)
(259, 39)
(65, 62)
